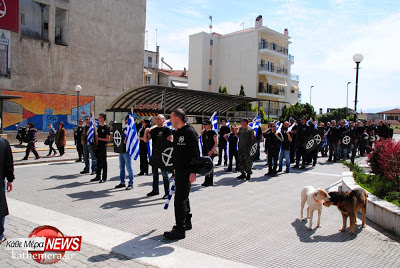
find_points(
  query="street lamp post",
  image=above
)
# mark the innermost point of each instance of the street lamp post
(310, 93)
(347, 100)
(78, 88)
(357, 58)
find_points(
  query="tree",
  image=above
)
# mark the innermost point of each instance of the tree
(337, 115)
(222, 90)
(298, 110)
(244, 106)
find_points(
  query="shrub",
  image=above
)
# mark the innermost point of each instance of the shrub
(385, 161)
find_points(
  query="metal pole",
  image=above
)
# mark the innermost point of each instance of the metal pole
(355, 100)
(353, 154)
(77, 109)
(310, 93)
(347, 99)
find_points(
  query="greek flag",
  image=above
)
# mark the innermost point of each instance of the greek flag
(214, 121)
(90, 132)
(169, 124)
(346, 123)
(149, 143)
(132, 140)
(200, 146)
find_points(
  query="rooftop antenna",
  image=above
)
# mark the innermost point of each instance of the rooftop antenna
(210, 17)
(156, 38)
(147, 40)
(242, 24)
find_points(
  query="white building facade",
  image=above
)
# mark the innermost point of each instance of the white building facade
(257, 58)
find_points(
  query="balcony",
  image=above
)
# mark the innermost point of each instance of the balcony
(291, 58)
(278, 91)
(294, 77)
(272, 69)
(273, 47)
(299, 96)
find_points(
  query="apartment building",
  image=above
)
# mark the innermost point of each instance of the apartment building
(257, 58)
(58, 44)
(150, 67)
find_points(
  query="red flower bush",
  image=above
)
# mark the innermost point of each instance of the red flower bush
(385, 160)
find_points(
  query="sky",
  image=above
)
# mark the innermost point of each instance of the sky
(325, 34)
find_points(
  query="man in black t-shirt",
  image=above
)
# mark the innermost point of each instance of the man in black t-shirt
(102, 138)
(157, 135)
(233, 142)
(210, 143)
(224, 129)
(186, 151)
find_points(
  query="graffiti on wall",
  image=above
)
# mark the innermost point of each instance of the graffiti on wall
(43, 108)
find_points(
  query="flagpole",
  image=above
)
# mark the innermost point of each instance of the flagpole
(94, 131)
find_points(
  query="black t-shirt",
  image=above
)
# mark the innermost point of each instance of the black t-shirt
(222, 131)
(159, 133)
(186, 148)
(78, 134)
(233, 140)
(286, 142)
(208, 141)
(102, 132)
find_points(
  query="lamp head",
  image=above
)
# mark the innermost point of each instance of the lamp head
(78, 88)
(357, 58)
(348, 83)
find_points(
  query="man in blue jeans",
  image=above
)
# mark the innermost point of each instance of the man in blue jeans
(6, 171)
(158, 134)
(88, 150)
(285, 149)
(125, 161)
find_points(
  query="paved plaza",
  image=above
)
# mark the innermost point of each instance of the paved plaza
(235, 223)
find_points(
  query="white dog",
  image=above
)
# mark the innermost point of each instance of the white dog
(314, 199)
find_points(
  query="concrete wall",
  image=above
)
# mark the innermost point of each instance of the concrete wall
(237, 63)
(199, 53)
(104, 52)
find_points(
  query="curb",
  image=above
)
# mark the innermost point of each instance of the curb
(379, 211)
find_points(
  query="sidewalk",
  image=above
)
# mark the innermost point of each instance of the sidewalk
(88, 256)
(70, 153)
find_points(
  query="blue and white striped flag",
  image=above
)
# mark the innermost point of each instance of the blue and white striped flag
(132, 139)
(214, 121)
(149, 143)
(90, 137)
(346, 123)
(169, 124)
(200, 146)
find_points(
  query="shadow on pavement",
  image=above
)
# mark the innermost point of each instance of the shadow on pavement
(63, 177)
(133, 203)
(141, 246)
(65, 186)
(306, 235)
(89, 195)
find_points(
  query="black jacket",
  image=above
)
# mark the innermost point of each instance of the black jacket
(6, 171)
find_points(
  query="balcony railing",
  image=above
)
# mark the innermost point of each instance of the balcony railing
(274, 91)
(294, 77)
(272, 69)
(299, 95)
(291, 58)
(273, 47)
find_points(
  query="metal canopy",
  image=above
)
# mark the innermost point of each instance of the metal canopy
(194, 102)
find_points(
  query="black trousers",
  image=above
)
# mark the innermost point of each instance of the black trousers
(61, 149)
(181, 202)
(332, 150)
(29, 147)
(301, 153)
(233, 153)
(101, 156)
(272, 160)
(292, 151)
(144, 163)
(220, 149)
(79, 148)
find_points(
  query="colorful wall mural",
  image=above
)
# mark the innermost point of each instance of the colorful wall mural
(42, 109)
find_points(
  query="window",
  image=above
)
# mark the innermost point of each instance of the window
(150, 62)
(22, 19)
(210, 62)
(292, 90)
(211, 42)
(209, 82)
(34, 25)
(148, 79)
(262, 63)
(61, 23)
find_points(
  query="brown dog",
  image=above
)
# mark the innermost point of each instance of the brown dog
(348, 204)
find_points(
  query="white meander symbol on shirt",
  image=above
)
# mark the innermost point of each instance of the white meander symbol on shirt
(310, 144)
(253, 149)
